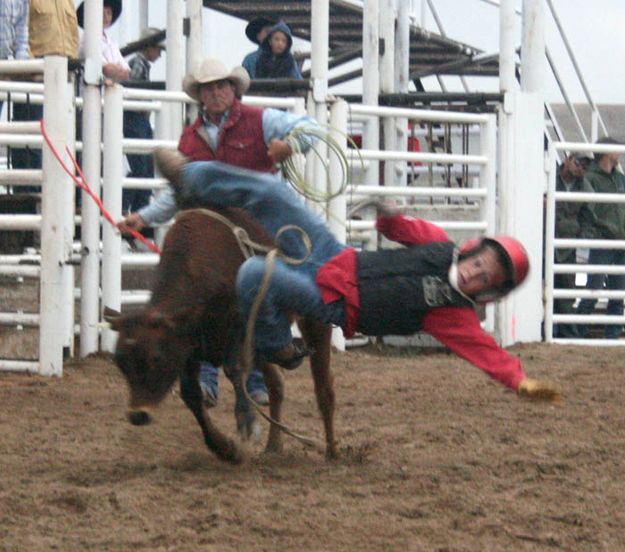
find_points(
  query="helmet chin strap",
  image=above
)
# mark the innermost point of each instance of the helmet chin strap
(452, 276)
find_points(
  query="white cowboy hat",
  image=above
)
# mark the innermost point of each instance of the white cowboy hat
(211, 70)
(149, 32)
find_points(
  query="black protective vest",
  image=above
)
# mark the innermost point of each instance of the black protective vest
(398, 286)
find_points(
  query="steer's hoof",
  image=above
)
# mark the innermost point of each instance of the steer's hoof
(235, 455)
(139, 417)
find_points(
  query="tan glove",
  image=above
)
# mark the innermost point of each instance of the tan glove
(539, 390)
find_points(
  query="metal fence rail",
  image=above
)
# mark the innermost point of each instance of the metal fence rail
(552, 243)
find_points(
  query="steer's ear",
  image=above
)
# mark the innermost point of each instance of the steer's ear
(113, 317)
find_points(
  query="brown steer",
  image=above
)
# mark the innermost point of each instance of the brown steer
(192, 315)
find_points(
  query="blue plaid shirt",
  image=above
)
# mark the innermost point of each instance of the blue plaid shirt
(14, 29)
(139, 68)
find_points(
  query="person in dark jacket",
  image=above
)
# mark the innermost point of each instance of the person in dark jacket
(604, 221)
(430, 285)
(256, 30)
(570, 178)
(275, 60)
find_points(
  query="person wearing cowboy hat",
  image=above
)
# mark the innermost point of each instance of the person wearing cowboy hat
(226, 130)
(140, 63)
(257, 30)
(114, 66)
(137, 123)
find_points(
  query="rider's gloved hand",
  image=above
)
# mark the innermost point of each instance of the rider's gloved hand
(539, 390)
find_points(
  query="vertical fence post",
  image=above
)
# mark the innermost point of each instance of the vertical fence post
(337, 207)
(194, 46)
(388, 17)
(56, 113)
(69, 202)
(91, 164)
(320, 25)
(488, 172)
(488, 180)
(371, 85)
(175, 64)
(550, 230)
(402, 72)
(533, 61)
(507, 18)
(113, 175)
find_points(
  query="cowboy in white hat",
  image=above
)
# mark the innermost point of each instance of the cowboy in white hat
(226, 130)
(140, 63)
(212, 75)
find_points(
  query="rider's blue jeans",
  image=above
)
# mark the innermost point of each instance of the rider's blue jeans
(274, 204)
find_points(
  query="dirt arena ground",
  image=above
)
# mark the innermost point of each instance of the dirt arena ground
(435, 456)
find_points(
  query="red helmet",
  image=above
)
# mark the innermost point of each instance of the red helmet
(515, 258)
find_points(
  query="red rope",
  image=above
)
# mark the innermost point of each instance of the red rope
(83, 184)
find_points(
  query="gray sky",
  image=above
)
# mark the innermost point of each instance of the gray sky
(595, 29)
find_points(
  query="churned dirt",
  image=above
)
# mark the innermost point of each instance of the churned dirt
(434, 456)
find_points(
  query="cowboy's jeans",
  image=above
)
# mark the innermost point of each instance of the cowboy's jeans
(611, 281)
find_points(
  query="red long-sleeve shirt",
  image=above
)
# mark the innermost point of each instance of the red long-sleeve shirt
(458, 328)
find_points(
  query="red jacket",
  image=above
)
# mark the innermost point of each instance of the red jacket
(240, 141)
(458, 328)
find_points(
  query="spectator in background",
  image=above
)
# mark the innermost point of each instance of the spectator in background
(275, 60)
(137, 123)
(570, 178)
(13, 30)
(257, 30)
(52, 30)
(604, 221)
(236, 134)
(114, 65)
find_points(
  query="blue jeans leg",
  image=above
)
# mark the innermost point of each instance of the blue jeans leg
(612, 282)
(288, 291)
(270, 200)
(209, 378)
(256, 381)
(615, 306)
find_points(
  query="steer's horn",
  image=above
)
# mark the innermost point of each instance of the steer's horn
(111, 316)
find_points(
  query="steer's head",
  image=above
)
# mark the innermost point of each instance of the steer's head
(150, 352)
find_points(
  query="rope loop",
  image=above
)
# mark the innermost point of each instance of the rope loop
(309, 135)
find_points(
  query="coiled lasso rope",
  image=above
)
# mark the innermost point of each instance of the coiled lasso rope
(310, 136)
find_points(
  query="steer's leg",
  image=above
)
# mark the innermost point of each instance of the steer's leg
(222, 446)
(247, 424)
(275, 389)
(318, 337)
